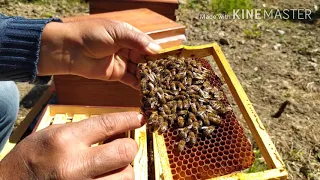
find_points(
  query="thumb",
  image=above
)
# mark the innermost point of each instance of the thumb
(132, 38)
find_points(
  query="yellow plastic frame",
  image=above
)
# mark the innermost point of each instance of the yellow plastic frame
(276, 167)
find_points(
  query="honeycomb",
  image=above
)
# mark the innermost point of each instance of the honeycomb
(227, 151)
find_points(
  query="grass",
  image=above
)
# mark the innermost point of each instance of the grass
(219, 6)
(47, 1)
(259, 164)
(227, 6)
(253, 33)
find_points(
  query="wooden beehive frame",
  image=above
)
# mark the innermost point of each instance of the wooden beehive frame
(276, 167)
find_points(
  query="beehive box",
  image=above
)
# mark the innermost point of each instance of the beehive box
(164, 7)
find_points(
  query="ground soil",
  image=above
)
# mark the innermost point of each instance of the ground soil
(276, 61)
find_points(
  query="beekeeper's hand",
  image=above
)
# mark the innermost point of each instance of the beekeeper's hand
(65, 152)
(95, 49)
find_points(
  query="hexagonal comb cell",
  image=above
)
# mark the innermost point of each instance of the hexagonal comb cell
(227, 151)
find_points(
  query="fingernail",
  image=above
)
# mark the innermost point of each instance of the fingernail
(141, 118)
(155, 48)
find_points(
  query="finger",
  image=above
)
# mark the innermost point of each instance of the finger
(132, 68)
(130, 80)
(128, 37)
(123, 173)
(135, 57)
(109, 157)
(99, 128)
(119, 67)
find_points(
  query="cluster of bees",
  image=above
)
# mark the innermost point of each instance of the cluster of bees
(177, 94)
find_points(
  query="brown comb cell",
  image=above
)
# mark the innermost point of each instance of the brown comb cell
(227, 151)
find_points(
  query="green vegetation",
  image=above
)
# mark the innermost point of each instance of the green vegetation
(227, 6)
(253, 33)
(259, 164)
(48, 1)
(219, 6)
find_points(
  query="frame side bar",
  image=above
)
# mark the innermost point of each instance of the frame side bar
(264, 142)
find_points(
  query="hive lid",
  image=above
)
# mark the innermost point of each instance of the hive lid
(152, 23)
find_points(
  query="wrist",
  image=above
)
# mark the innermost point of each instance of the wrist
(55, 50)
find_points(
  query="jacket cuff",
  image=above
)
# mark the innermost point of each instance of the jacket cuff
(21, 48)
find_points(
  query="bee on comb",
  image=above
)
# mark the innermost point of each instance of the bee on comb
(177, 94)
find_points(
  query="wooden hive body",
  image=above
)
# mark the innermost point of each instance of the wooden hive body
(164, 7)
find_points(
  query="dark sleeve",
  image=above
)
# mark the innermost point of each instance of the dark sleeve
(20, 40)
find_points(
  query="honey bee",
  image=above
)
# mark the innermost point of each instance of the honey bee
(198, 82)
(203, 101)
(183, 113)
(173, 72)
(161, 98)
(150, 86)
(181, 97)
(189, 81)
(208, 130)
(201, 114)
(142, 66)
(184, 93)
(193, 63)
(195, 96)
(206, 122)
(144, 73)
(198, 76)
(207, 85)
(166, 109)
(219, 107)
(168, 97)
(181, 86)
(179, 105)
(174, 108)
(204, 94)
(180, 121)
(190, 74)
(186, 104)
(195, 88)
(189, 122)
(172, 118)
(163, 127)
(166, 72)
(192, 117)
(154, 120)
(170, 103)
(193, 107)
(161, 113)
(150, 102)
(173, 86)
(192, 138)
(146, 92)
(175, 93)
(152, 92)
(144, 85)
(214, 119)
(195, 127)
(219, 95)
(179, 76)
(181, 145)
(183, 134)
(151, 63)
